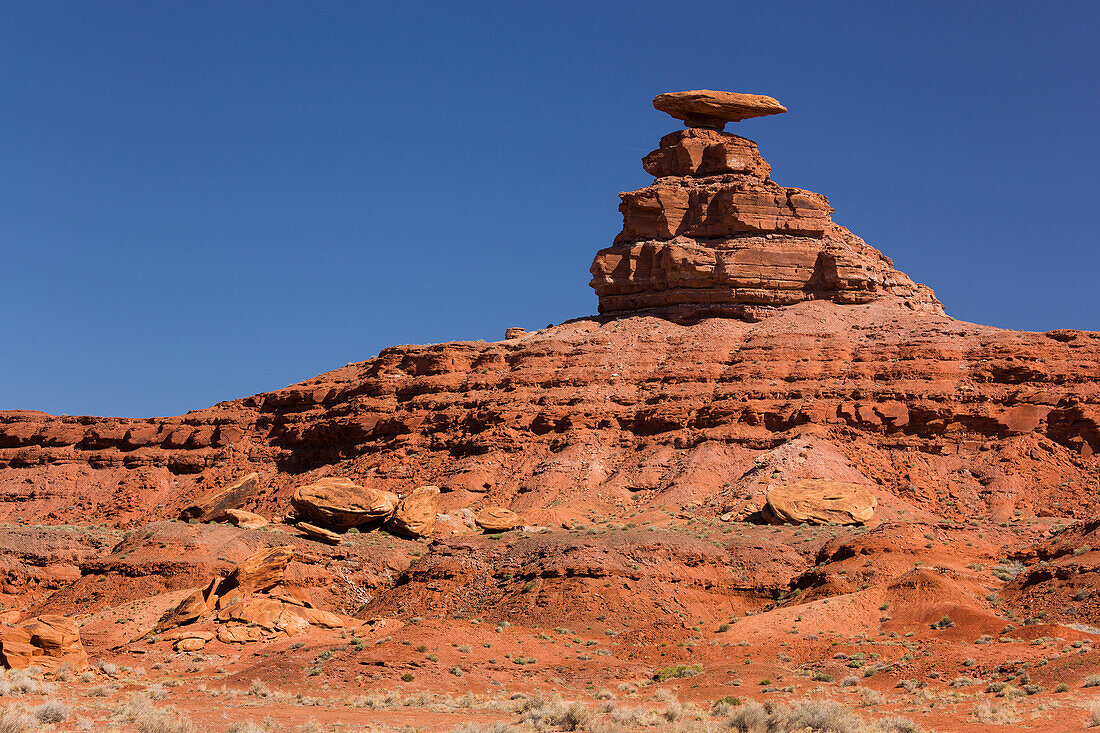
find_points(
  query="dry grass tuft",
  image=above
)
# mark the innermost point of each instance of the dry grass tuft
(52, 711)
(15, 720)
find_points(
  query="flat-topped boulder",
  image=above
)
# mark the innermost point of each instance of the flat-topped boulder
(497, 519)
(711, 109)
(819, 501)
(340, 504)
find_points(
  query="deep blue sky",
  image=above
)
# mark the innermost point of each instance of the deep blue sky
(204, 200)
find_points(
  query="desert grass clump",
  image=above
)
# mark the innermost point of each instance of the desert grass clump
(677, 671)
(894, 724)
(993, 714)
(632, 717)
(16, 720)
(483, 728)
(100, 691)
(17, 682)
(541, 711)
(52, 711)
(576, 717)
(814, 715)
(106, 667)
(148, 718)
(674, 710)
(1093, 708)
(724, 707)
(1093, 680)
(749, 718)
(850, 681)
(259, 689)
(943, 623)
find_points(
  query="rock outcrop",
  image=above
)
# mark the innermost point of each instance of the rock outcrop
(342, 504)
(415, 513)
(715, 236)
(816, 501)
(216, 504)
(710, 109)
(251, 604)
(497, 519)
(652, 402)
(49, 642)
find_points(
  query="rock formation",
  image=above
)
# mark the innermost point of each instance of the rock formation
(816, 501)
(497, 519)
(341, 504)
(753, 361)
(715, 236)
(415, 513)
(709, 109)
(49, 642)
(826, 339)
(251, 604)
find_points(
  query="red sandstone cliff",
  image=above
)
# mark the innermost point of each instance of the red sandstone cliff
(663, 400)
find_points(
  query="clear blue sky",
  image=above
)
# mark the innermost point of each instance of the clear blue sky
(204, 200)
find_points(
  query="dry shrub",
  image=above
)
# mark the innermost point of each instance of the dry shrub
(989, 713)
(633, 716)
(484, 728)
(148, 718)
(749, 718)
(17, 682)
(259, 689)
(810, 716)
(895, 724)
(16, 720)
(815, 715)
(1093, 708)
(52, 711)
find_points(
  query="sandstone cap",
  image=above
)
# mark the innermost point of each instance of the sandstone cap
(707, 108)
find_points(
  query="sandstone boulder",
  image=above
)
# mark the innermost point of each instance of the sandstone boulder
(236, 633)
(497, 519)
(46, 641)
(191, 608)
(415, 514)
(261, 571)
(245, 520)
(190, 644)
(514, 333)
(340, 504)
(214, 504)
(818, 501)
(707, 108)
(319, 533)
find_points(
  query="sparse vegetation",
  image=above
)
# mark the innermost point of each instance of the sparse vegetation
(943, 623)
(679, 670)
(52, 711)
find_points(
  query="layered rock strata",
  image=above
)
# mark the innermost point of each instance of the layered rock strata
(654, 403)
(715, 236)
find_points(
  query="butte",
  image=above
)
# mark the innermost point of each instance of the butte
(735, 318)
